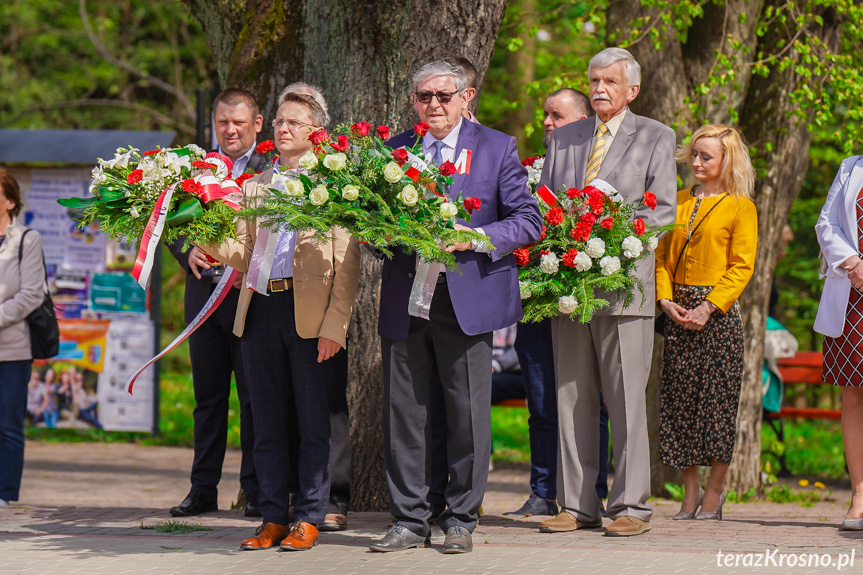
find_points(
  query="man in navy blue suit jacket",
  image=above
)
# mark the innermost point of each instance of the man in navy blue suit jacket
(450, 350)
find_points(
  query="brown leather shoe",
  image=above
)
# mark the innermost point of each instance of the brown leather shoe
(334, 522)
(266, 536)
(303, 536)
(627, 526)
(566, 521)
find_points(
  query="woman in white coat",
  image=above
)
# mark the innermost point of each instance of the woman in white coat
(840, 315)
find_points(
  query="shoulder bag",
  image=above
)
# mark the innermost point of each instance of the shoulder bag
(44, 330)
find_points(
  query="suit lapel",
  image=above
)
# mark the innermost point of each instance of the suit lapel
(467, 139)
(852, 188)
(582, 150)
(621, 142)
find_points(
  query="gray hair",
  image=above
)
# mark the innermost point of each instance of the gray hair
(441, 68)
(580, 102)
(611, 56)
(307, 90)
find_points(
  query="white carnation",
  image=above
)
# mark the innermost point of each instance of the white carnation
(609, 265)
(549, 263)
(582, 262)
(652, 243)
(595, 247)
(632, 247)
(567, 304)
(524, 289)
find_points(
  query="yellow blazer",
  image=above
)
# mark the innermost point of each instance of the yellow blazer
(325, 273)
(721, 252)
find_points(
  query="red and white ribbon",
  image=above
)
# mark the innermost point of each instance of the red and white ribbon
(150, 240)
(547, 196)
(216, 298)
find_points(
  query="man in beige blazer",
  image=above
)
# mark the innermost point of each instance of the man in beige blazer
(612, 353)
(287, 337)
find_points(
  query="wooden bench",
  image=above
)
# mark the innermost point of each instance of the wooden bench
(805, 367)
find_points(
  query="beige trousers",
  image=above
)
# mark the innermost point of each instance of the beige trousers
(611, 354)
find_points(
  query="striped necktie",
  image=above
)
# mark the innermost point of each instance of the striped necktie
(437, 160)
(596, 155)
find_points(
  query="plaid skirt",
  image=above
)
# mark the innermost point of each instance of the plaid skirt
(843, 355)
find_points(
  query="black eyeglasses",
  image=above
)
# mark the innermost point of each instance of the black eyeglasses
(442, 97)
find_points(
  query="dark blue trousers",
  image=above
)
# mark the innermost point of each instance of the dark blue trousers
(14, 376)
(288, 391)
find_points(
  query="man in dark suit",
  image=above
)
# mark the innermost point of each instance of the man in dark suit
(450, 347)
(214, 351)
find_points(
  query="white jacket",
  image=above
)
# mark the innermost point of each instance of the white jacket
(21, 290)
(837, 234)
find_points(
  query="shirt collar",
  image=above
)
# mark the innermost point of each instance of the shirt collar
(613, 124)
(450, 140)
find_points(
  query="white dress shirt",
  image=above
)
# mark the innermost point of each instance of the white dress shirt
(241, 162)
(450, 142)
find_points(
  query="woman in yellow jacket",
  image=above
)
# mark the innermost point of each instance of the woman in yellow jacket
(701, 269)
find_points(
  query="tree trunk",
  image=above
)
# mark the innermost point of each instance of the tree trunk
(362, 54)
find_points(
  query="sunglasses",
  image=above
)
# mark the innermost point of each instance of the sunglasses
(442, 97)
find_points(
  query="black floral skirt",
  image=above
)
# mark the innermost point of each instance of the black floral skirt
(702, 372)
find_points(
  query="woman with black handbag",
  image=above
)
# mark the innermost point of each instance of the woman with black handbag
(21, 292)
(702, 267)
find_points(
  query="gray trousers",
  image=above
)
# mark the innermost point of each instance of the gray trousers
(437, 354)
(611, 354)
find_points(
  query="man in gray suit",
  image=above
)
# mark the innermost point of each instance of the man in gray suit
(612, 353)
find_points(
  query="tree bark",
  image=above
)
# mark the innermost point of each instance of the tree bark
(362, 53)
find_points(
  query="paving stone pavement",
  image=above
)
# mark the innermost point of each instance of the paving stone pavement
(83, 505)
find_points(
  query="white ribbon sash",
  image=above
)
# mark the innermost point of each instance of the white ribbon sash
(423, 288)
(150, 240)
(216, 298)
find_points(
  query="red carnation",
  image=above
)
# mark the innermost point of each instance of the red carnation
(592, 192)
(264, 147)
(400, 155)
(588, 219)
(421, 129)
(151, 152)
(650, 200)
(569, 257)
(135, 177)
(607, 223)
(318, 137)
(447, 168)
(639, 227)
(542, 237)
(361, 129)
(595, 204)
(522, 256)
(554, 216)
(581, 232)
(471, 204)
(383, 132)
(529, 161)
(243, 178)
(573, 193)
(191, 186)
(544, 252)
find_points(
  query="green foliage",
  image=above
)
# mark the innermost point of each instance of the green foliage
(176, 526)
(812, 448)
(510, 433)
(52, 75)
(676, 491)
(733, 497)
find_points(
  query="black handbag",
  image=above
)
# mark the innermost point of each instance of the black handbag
(44, 330)
(661, 320)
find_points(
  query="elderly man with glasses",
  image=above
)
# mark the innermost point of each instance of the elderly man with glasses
(445, 343)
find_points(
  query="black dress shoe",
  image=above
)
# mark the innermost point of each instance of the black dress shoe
(458, 540)
(195, 503)
(535, 506)
(252, 508)
(400, 538)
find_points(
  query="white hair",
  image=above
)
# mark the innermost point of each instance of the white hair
(308, 90)
(611, 56)
(441, 68)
